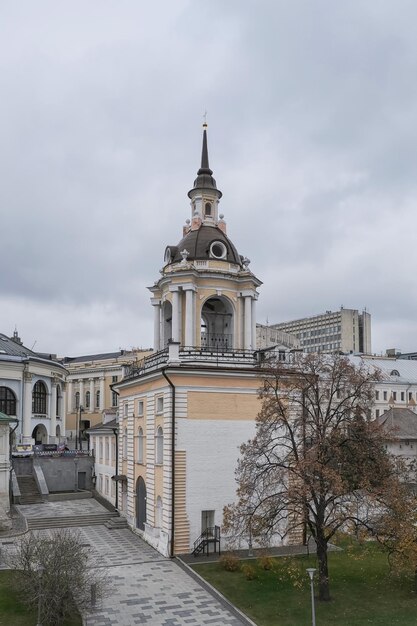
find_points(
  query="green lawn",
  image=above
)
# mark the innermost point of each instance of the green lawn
(363, 591)
(13, 612)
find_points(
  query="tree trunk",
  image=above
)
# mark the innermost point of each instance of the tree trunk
(324, 590)
(415, 580)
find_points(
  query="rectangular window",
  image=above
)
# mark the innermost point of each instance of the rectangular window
(385, 395)
(394, 396)
(159, 404)
(125, 409)
(114, 379)
(114, 398)
(140, 408)
(377, 413)
(402, 396)
(376, 395)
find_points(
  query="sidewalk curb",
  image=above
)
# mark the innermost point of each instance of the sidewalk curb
(216, 594)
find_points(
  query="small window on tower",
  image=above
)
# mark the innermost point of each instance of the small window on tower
(207, 208)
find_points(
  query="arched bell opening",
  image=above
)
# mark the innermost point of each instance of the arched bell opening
(166, 322)
(217, 324)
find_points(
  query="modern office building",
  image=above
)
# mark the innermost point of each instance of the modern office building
(346, 330)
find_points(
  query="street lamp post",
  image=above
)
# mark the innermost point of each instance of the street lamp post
(311, 571)
(40, 572)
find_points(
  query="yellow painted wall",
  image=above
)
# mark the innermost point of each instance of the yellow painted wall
(222, 406)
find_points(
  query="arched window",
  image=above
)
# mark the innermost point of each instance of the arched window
(125, 443)
(77, 400)
(87, 399)
(97, 399)
(158, 516)
(140, 445)
(159, 446)
(39, 395)
(207, 208)
(7, 401)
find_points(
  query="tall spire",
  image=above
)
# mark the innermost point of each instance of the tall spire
(205, 168)
(204, 178)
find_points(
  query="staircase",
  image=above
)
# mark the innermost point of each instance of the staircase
(210, 536)
(37, 523)
(116, 523)
(29, 492)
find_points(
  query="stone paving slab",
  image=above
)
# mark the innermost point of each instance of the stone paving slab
(66, 508)
(144, 587)
(158, 594)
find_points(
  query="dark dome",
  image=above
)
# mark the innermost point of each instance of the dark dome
(199, 245)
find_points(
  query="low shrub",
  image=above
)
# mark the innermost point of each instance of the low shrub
(249, 571)
(229, 562)
(266, 562)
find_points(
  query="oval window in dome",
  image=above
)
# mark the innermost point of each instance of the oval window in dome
(218, 250)
(167, 256)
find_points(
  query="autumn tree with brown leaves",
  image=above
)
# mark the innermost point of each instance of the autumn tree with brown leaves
(317, 463)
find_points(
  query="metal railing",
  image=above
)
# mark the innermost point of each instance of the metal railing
(218, 356)
(209, 536)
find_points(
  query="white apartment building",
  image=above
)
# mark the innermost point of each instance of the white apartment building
(397, 388)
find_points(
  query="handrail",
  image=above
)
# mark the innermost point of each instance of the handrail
(211, 533)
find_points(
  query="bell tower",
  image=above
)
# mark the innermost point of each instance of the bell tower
(206, 296)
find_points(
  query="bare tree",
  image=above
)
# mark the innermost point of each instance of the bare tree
(55, 575)
(317, 463)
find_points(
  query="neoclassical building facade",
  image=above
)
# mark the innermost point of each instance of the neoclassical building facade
(89, 381)
(32, 390)
(185, 411)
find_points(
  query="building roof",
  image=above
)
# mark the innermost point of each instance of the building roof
(103, 427)
(11, 348)
(400, 423)
(93, 357)
(198, 242)
(6, 418)
(392, 370)
(18, 352)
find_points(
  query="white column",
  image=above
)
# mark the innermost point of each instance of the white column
(253, 343)
(189, 318)
(52, 411)
(102, 390)
(156, 324)
(175, 316)
(27, 409)
(248, 322)
(70, 396)
(91, 408)
(81, 390)
(64, 410)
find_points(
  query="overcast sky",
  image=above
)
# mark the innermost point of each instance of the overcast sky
(312, 112)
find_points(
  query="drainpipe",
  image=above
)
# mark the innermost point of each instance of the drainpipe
(116, 434)
(11, 463)
(171, 384)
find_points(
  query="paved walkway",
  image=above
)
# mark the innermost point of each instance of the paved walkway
(145, 587)
(65, 508)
